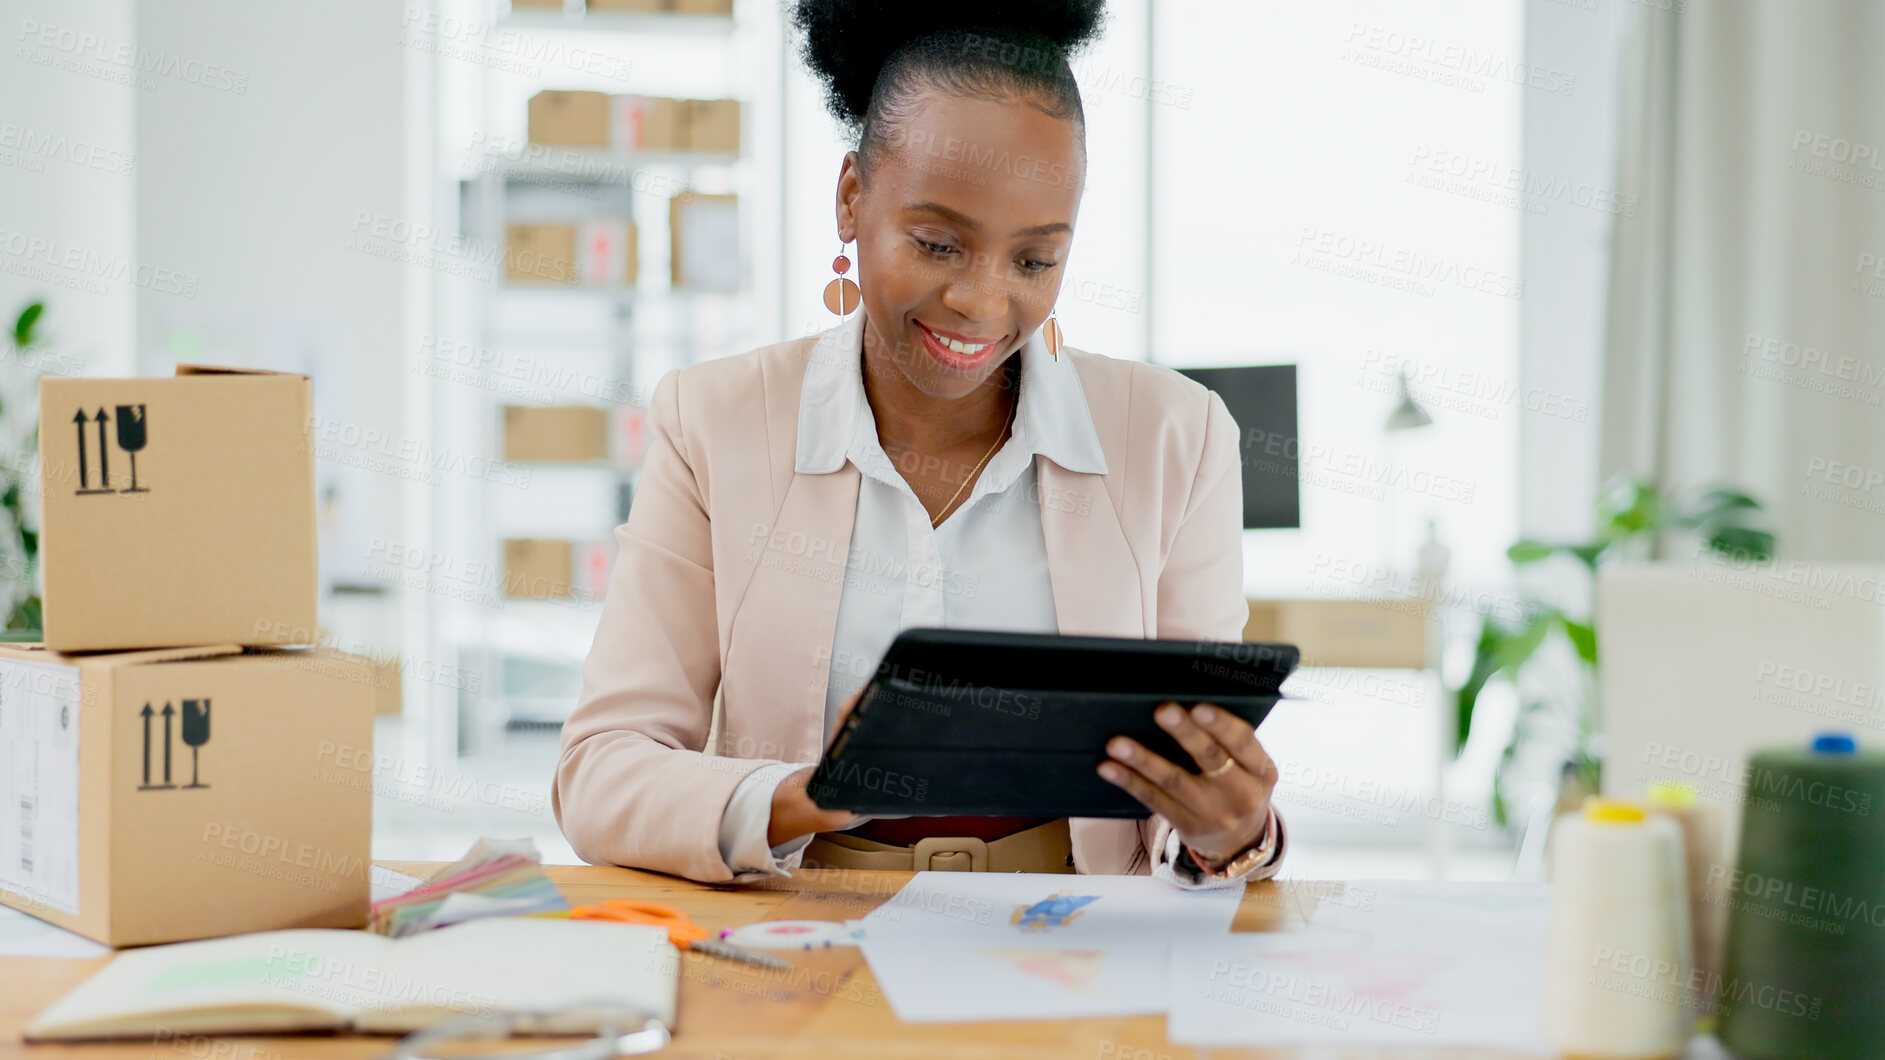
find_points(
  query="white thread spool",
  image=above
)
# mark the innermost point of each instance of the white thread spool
(1618, 974)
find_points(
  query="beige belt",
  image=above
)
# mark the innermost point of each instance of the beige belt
(1045, 848)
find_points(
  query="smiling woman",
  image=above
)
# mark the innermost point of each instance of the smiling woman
(937, 459)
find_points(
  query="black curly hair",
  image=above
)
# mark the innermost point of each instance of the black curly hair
(873, 56)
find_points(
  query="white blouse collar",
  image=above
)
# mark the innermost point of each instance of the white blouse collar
(1052, 418)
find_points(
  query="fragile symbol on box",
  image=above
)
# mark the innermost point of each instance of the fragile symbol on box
(130, 439)
(195, 726)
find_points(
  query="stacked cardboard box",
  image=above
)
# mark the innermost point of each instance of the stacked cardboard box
(705, 241)
(634, 123)
(596, 253)
(170, 783)
(544, 568)
(560, 433)
(686, 7)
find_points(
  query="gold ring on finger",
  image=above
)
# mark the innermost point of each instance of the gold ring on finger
(1220, 770)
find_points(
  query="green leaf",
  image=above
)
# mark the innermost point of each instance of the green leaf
(1742, 542)
(1529, 551)
(1627, 508)
(25, 617)
(1466, 699)
(1583, 638)
(1523, 643)
(23, 327)
(1589, 554)
(1712, 504)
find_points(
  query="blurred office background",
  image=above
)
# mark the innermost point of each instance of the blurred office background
(1513, 251)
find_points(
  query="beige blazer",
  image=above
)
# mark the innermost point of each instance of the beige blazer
(1153, 548)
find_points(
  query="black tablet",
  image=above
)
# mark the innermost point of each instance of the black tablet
(961, 722)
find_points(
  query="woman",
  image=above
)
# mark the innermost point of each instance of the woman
(935, 459)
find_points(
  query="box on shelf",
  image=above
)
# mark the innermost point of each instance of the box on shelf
(701, 7)
(606, 253)
(628, 5)
(185, 793)
(178, 510)
(569, 119)
(538, 568)
(540, 253)
(647, 123)
(705, 230)
(713, 125)
(556, 432)
(632, 435)
(594, 559)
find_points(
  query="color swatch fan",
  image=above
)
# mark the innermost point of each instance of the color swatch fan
(497, 877)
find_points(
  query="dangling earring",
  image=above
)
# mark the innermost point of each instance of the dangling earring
(1050, 334)
(841, 295)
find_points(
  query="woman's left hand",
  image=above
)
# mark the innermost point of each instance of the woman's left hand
(1220, 812)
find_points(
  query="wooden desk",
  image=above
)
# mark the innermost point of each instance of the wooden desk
(827, 1005)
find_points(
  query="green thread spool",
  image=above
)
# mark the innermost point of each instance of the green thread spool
(1804, 975)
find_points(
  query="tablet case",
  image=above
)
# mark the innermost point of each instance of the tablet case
(960, 722)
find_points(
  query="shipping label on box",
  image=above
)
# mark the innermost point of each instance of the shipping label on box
(39, 787)
(647, 123)
(177, 511)
(187, 792)
(705, 233)
(594, 560)
(607, 253)
(569, 119)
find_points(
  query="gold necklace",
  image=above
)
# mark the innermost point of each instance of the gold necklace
(937, 521)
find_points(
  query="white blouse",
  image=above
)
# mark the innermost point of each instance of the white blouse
(985, 567)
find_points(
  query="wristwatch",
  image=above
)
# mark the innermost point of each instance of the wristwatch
(1259, 852)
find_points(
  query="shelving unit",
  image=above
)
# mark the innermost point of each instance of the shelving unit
(531, 341)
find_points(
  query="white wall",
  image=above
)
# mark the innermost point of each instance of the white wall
(253, 182)
(68, 168)
(1570, 150)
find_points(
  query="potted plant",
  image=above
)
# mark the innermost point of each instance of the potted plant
(1633, 520)
(19, 538)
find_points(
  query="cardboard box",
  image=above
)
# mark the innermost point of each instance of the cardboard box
(606, 253)
(701, 7)
(538, 568)
(186, 793)
(540, 5)
(177, 511)
(705, 230)
(594, 561)
(647, 123)
(628, 5)
(569, 119)
(1388, 634)
(556, 432)
(713, 125)
(540, 254)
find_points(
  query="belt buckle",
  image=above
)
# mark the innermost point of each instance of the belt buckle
(926, 850)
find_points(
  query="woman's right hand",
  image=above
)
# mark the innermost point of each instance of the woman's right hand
(794, 814)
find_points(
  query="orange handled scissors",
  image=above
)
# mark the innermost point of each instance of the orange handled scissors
(681, 928)
(682, 931)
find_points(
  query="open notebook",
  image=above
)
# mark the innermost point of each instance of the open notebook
(312, 980)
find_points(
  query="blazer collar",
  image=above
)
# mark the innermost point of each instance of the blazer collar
(1052, 417)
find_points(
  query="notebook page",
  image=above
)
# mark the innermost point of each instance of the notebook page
(522, 964)
(317, 972)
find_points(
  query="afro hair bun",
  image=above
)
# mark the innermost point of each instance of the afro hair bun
(847, 42)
